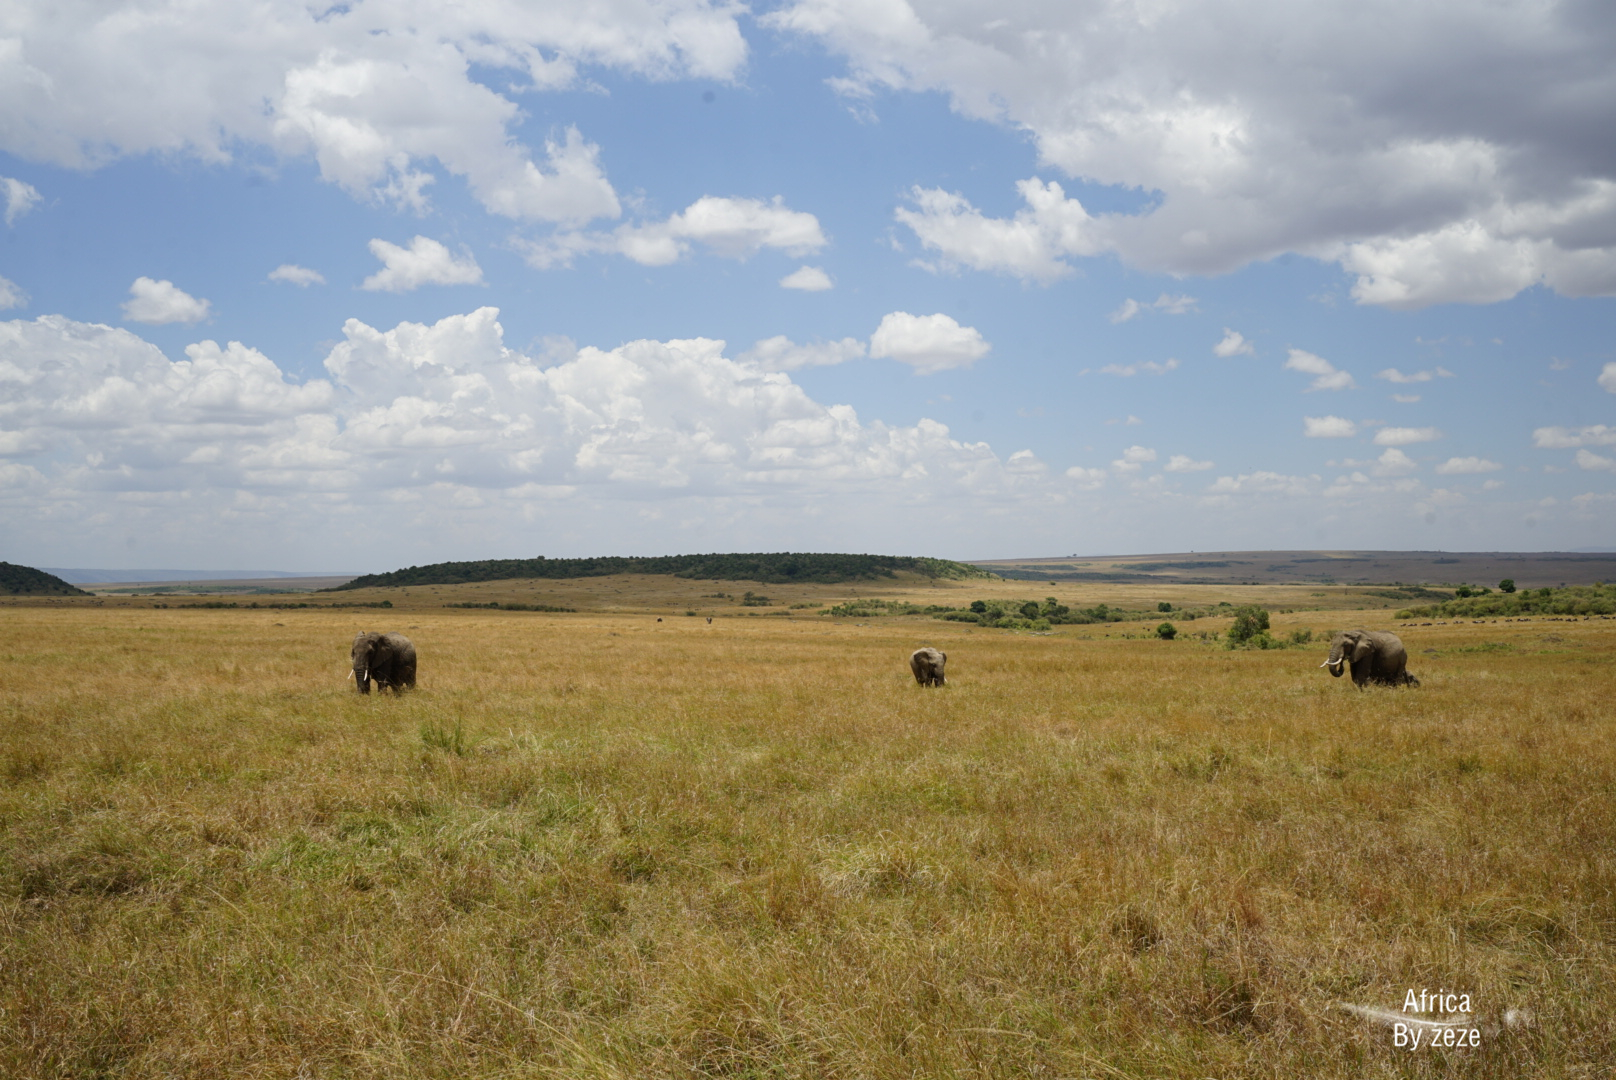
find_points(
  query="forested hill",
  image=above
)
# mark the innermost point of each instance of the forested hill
(26, 581)
(773, 569)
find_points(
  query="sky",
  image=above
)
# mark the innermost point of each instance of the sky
(355, 286)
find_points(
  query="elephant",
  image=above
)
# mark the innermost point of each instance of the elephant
(1375, 656)
(387, 658)
(927, 664)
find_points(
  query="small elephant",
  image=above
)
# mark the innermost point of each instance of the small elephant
(1375, 656)
(387, 658)
(927, 664)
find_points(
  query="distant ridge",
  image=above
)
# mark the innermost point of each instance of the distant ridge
(26, 581)
(103, 577)
(773, 569)
(1351, 567)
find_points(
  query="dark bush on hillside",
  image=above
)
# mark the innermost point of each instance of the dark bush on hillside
(774, 568)
(1167, 631)
(26, 581)
(1249, 621)
(1597, 599)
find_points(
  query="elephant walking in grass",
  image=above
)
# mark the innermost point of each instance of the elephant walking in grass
(1374, 656)
(927, 664)
(387, 658)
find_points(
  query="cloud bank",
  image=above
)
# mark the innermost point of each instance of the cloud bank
(377, 92)
(1464, 164)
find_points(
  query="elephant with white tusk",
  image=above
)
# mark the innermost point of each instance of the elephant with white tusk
(1374, 656)
(387, 658)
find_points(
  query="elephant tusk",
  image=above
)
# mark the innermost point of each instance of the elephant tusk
(348, 676)
(1327, 664)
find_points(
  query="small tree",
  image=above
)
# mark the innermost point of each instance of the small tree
(1164, 606)
(1249, 621)
(1507, 585)
(1462, 591)
(979, 606)
(1029, 610)
(1167, 631)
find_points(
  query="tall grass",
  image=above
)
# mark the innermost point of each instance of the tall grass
(602, 846)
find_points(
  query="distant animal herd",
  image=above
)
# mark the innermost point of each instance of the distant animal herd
(1373, 656)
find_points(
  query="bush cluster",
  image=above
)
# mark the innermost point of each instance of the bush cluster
(1596, 599)
(865, 609)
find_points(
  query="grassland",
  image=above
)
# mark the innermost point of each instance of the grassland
(600, 845)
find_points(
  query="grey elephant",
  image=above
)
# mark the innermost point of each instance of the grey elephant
(1374, 655)
(927, 664)
(387, 658)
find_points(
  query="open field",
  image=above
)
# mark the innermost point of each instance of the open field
(603, 845)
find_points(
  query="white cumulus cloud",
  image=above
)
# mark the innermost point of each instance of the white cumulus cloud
(1171, 305)
(1467, 466)
(927, 343)
(1405, 436)
(1325, 374)
(21, 197)
(1133, 459)
(441, 425)
(301, 276)
(1559, 438)
(1466, 178)
(380, 93)
(11, 296)
(424, 262)
(1032, 245)
(1185, 463)
(1394, 462)
(1262, 482)
(807, 279)
(1328, 427)
(1146, 367)
(1087, 479)
(731, 227)
(159, 302)
(780, 353)
(1587, 459)
(1607, 378)
(1234, 343)
(1395, 376)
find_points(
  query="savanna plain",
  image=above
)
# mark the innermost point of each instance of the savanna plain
(603, 845)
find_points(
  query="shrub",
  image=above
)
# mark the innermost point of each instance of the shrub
(1167, 631)
(979, 606)
(1301, 637)
(1249, 621)
(1507, 585)
(1164, 606)
(1030, 609)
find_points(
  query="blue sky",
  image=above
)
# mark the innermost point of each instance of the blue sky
(356, 286)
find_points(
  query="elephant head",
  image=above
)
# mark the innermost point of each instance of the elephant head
(1347, 647)
(370, 652)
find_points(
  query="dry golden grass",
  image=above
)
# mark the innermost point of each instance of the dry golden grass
(598, 845)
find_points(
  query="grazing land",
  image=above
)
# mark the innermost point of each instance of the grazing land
(627, 842)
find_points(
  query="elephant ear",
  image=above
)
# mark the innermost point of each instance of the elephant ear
(1361, 646)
